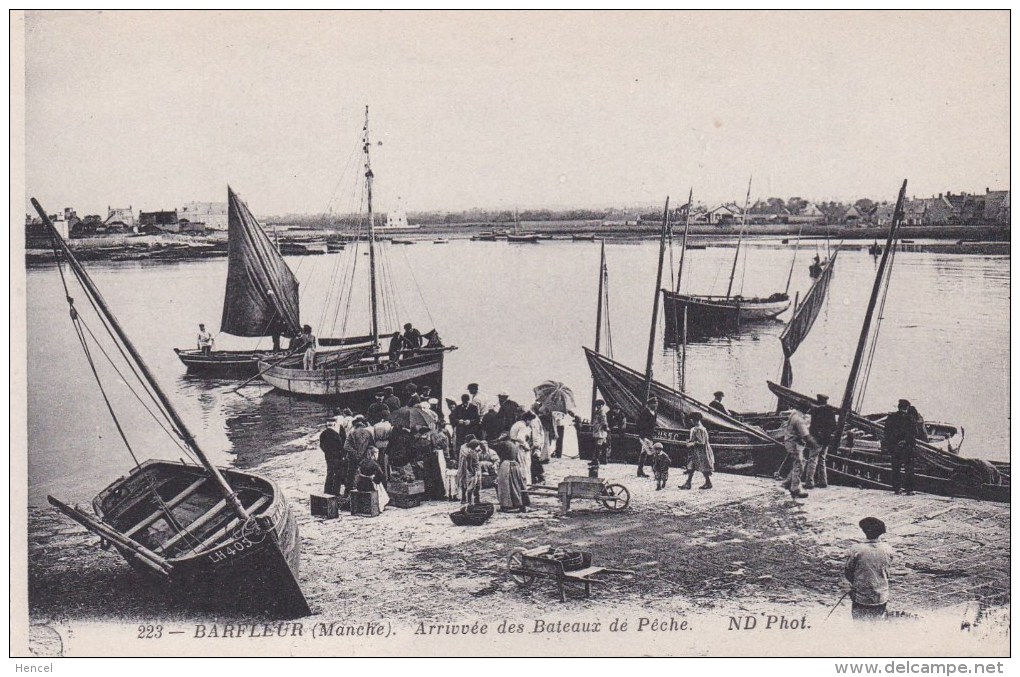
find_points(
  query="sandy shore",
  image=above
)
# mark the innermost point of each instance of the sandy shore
(742, 548)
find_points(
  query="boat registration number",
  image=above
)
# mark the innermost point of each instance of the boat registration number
(232, 549)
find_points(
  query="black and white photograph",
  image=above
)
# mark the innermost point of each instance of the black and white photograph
(512, 334)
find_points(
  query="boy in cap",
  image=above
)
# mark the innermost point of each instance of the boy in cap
(660, 466)
(867, 569)
(600, 432)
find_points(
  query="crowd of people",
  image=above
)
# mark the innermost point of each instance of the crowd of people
(409, 439)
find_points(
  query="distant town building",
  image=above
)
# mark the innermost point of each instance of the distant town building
(123, 217)
(853, 217)
(619, 217)
(212, 214)
(724, 214)
(164, 220)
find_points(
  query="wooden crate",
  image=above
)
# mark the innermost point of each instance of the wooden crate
(407, 488)
(324, 505)
(365, 503)
(404, 501)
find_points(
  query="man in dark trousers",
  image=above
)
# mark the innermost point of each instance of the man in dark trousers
(617, 420)
(332, 444)
(867, 569)
(465, 420)
(646, 423)
(898, 442)
(823, 424)
(396, 345)
(391, 401)
(717, 404)
(412, 338)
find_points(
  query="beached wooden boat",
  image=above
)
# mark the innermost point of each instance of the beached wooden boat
(371, 370)
(222, 539)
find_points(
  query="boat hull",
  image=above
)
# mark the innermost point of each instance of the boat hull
(223, 564)
(225, 363)
(707, 315)
(350, 382)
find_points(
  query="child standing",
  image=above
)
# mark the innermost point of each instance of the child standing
(660, 466)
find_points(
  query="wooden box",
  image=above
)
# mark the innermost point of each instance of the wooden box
(365, 503)
(404, 501)
(407, 488)
(325, 505)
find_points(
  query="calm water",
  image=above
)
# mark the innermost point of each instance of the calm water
(519, 314)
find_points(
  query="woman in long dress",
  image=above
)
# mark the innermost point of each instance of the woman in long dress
(521, 435)
(510, 487)
(370, 477)
(702, 459)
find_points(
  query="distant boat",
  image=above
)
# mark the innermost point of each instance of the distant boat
(441, 240)
(335, 246)
(396, 241)
(875, 249)
(583, 238)
(489, 236)
(294, 248)
(522, 238)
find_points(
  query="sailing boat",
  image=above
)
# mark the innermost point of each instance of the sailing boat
(261, 298)
(709, 315)
(739, 446)
(519, 237)
(855, 458)
(220, 537)
(369, 370)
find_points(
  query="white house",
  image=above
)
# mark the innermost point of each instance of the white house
(212, 214)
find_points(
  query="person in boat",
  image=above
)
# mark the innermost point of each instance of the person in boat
(867, 569)
(396, 345)
(308, 344)
(359, 440)
(660, 466)
(507, 410)
(797, 436)
(276, 340)
(332, 444)
(717, 404)
(701, 459)
(520, 433)
(469, 472)
(823, 424)
(646, 424)
(482, 401)
(899, 443)
(382, 431)
(511, 489)
(378, 410)
(412, 338)
(491, 425)
(600, 433)
(465, 420)
(391, 401)
(370, 477)
(205, 340)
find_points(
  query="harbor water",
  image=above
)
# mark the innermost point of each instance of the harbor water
(519, 314)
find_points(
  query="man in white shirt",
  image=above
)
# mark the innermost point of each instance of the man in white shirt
(205, 340)
(480, 400)
(867, 569)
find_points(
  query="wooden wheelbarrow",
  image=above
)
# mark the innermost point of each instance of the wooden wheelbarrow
(528, 565)
(614, 497)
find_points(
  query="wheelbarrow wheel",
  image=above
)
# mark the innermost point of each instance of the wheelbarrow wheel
(516, 564)
(615, 497)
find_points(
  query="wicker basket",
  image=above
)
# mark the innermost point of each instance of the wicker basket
(572, 560)
(472, 515)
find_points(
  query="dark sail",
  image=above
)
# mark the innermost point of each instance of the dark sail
(262, 293)
(804, 317)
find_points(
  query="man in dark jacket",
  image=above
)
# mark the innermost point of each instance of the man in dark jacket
(465, 420)
(378, 410)
(332, 444)
(823, 424)
(646, 423)
(492, 425)
(898, 442)
(391, 401)
(717, 404)
(396, 345)
(412, 338)
(507, 412)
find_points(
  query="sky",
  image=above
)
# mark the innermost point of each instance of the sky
(510, 110)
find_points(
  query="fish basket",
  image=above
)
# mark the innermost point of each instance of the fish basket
(572, 560)
(472, 515)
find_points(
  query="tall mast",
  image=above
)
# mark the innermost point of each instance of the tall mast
(598, 322)
(683, 244)
(794, 261)
(740, 237)
(189, 439)
(371, 232)
(655, 303)
(851, 384)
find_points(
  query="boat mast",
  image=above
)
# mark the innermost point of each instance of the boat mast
(598, 323)
(683, 243)
(371, 234)
(740, 237)
(189, 439)
(655, 303)
(851, 384)
(683, 356)
(794, 261)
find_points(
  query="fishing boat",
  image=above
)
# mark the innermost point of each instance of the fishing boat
(490, 236)
(261, 298)
(583, 238)
(709, 315)
(220, 539)
(441, 240)
(739, 446)
(855, 456)
(370, 369)
(399, 241)
(333, 246)
(303, 247)
(522, 237)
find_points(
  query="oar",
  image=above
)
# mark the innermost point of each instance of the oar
(290, 353)
(838, 602)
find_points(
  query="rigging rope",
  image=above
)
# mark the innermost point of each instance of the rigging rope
(869, 362)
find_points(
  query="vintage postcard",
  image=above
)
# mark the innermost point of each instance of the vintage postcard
(512, 334)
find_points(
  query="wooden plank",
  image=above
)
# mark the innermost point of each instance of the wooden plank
(582, 574)
(232, 524)
(194, 526)
(170, 505)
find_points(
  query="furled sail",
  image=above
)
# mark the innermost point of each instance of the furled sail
(804, 317)
(262, 292)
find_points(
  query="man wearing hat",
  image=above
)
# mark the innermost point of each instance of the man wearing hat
(898, 442)
(391, 401)
(796, 436)
(717, 403)
(600, 432)
(867, 569)
(506, 410)
(378, 410)
(465, 420)
(823, 423)
(356, 447)
(646, 423)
